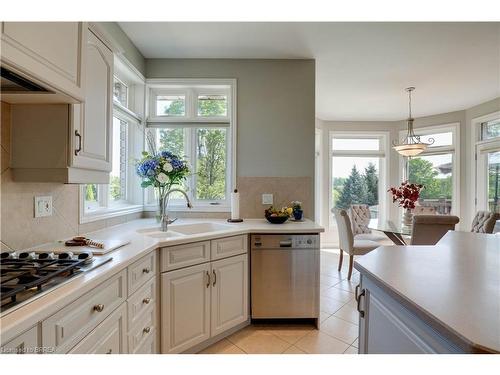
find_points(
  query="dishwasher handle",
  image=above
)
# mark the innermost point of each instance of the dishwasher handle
(286, 243)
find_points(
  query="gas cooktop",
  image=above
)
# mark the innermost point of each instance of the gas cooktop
(26, 276)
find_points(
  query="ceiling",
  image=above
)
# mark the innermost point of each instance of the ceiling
(361, 68)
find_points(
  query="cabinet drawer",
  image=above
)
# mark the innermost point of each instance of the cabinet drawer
(25, 343)
(68, 326)
(141, 271)
(145, 328)
(225, 247)
(108, 337)
(140, 301)
(181, 256)
(148, 346)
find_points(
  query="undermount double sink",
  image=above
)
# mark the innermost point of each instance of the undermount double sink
(183, 230)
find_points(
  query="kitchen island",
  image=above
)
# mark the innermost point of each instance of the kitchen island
(431, 299)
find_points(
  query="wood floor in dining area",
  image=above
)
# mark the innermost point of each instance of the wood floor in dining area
(337, 334)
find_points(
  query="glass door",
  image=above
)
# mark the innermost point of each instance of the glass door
(488, 178)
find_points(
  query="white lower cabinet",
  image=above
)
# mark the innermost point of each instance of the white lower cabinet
(229, 293)
(25, 343)
(185, 308)
(109, 337)
(203, 301)
(388, 327)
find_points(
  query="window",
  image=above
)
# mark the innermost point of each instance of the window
(358, 172)
(193, 118)
(490, 129)
(435, 173)
(436, 169)
(118, 175)
(171, 105)
(212, 105)
(98, 197)
(122, 195)
(493, 184)
(487, 164)
(120, 92)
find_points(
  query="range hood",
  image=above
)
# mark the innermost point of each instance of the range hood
(13, 83)
(18, 87)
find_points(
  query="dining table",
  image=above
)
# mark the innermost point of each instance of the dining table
(397, 232)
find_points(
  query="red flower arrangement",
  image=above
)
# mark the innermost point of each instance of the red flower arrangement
(406, 195)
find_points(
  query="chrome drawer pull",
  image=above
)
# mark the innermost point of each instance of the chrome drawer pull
(147, 330)
(99, 307)
(146, 300)
(146, 270)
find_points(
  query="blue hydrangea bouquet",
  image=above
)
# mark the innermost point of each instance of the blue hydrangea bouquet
(161, 170)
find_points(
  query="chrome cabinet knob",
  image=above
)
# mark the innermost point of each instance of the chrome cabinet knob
(147, 330)
(99, 307)
(146, 300)
(146, 270)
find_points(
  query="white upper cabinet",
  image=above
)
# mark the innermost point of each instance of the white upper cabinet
(48, 52)
(92, 120)
(68, 143)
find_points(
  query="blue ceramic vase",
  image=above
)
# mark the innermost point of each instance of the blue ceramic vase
(297, 214)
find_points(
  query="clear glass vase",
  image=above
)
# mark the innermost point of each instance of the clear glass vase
(408, 217)
(160, 194)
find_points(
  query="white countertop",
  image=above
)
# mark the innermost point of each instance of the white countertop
(454, 286)
(24, 317)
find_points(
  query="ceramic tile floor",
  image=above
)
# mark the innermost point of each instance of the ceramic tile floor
(338, 332)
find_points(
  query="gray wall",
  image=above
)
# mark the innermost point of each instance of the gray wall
(276, 110)
(130, 51)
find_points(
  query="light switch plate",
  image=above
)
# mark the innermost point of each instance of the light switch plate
(267, 199)
(43, 206)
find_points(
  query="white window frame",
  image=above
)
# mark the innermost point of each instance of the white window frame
(454, 149)
(193, 88)
(383, 175)
(479, 149)
(133, 115)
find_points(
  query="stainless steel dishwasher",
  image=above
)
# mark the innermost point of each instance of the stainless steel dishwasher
(285, 273)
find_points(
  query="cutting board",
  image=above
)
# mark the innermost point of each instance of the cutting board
(59, 247)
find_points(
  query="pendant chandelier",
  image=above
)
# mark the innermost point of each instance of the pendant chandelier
(411, 144)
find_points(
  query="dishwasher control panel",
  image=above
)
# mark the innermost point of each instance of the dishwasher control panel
(278, 241)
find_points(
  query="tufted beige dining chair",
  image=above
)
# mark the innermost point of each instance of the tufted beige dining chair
(360, 219)
(429, 229)
(423, 210)
(484, 222)
(347, 242)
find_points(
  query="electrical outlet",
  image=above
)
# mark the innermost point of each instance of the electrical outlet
(43, 206)
(267, 199)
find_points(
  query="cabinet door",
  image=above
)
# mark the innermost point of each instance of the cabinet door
(49, 51)
(25, 343)
(387, 327)
(185, 308)
(229, 293)
(92, 121)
